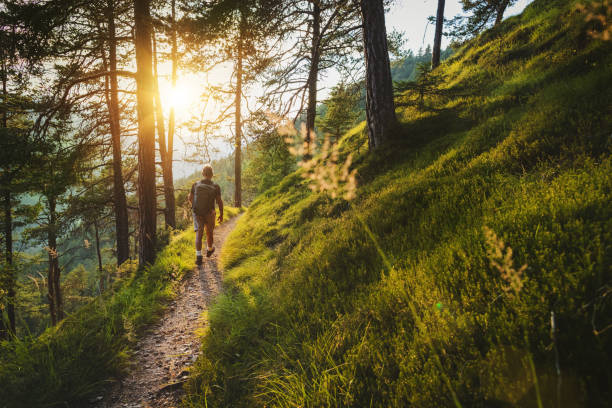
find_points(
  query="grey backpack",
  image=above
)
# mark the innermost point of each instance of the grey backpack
(204, 198)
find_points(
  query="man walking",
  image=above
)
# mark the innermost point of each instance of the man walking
(202, 198)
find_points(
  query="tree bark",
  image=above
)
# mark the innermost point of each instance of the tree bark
(238, 119)
(313, 75)
(146, 133)
(112, 100)
(10, 278)
(168, 171)
(99, 254)
(435, 56)
(8, 234)
(501, 9)
(380, 107)
(166, 163)
(159, 112)
(53, 276)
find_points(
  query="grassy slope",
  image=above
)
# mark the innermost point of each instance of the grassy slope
(68, 362)
(312, 317)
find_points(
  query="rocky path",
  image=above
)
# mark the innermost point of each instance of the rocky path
(163, 355)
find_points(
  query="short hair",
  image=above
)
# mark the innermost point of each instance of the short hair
(207, 171)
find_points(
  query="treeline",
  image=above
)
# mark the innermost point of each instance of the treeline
(72, 146)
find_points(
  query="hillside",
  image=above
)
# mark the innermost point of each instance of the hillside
(409, 295)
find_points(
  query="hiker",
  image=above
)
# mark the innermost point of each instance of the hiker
(202, 198)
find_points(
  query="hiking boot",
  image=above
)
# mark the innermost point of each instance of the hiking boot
(199, 260)
(209, 252)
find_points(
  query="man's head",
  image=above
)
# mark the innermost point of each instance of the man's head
(207, 171)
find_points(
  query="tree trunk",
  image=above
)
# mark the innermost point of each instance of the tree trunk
(146, 133)
(168, 171)
(380, 108)
(435, 56)
(159, 112)
(99, 254)
(313, 75)
(166, 163)
(112, 100)
(53, 276)
(238, 136)
(10, 278)
(8, 233)
(501, 9)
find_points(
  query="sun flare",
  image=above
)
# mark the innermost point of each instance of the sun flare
(183, 97)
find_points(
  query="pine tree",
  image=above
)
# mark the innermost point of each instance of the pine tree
(380, 107)
(20, 55)
(146, 133)
(166, 144)
(16, 150)
(341, 111)
(483, 14)
(112, 101)
(325, 34)
(242, 30)
(65, 28)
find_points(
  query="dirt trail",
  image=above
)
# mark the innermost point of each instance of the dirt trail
(165, 352)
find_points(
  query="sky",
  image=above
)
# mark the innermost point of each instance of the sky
(407, 16)
(410, 16)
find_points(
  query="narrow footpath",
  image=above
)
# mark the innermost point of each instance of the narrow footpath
(162, 357)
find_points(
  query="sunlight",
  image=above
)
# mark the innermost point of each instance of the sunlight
(190, 97)
(182, 97)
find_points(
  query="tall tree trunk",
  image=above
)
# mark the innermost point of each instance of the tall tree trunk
(112, 101)
(159, 112)
(53, 276)
(99, 254)
(168, 171)
(146, 133)
(313, 75)
(501, 9)
(166, 164)
(435, 56)
(8, 231)
(10, 278)
(380, 108)
(238, 136)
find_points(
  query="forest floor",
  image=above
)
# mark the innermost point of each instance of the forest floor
(162, 357)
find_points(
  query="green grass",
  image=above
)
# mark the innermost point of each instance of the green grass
(69, 362)
(520, 143)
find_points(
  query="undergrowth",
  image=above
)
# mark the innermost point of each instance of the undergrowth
(515, 153)
(91, 347)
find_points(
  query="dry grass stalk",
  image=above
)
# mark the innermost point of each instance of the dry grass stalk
(326, 172)
(500, 258)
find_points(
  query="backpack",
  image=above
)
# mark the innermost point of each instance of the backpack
(204, 198)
